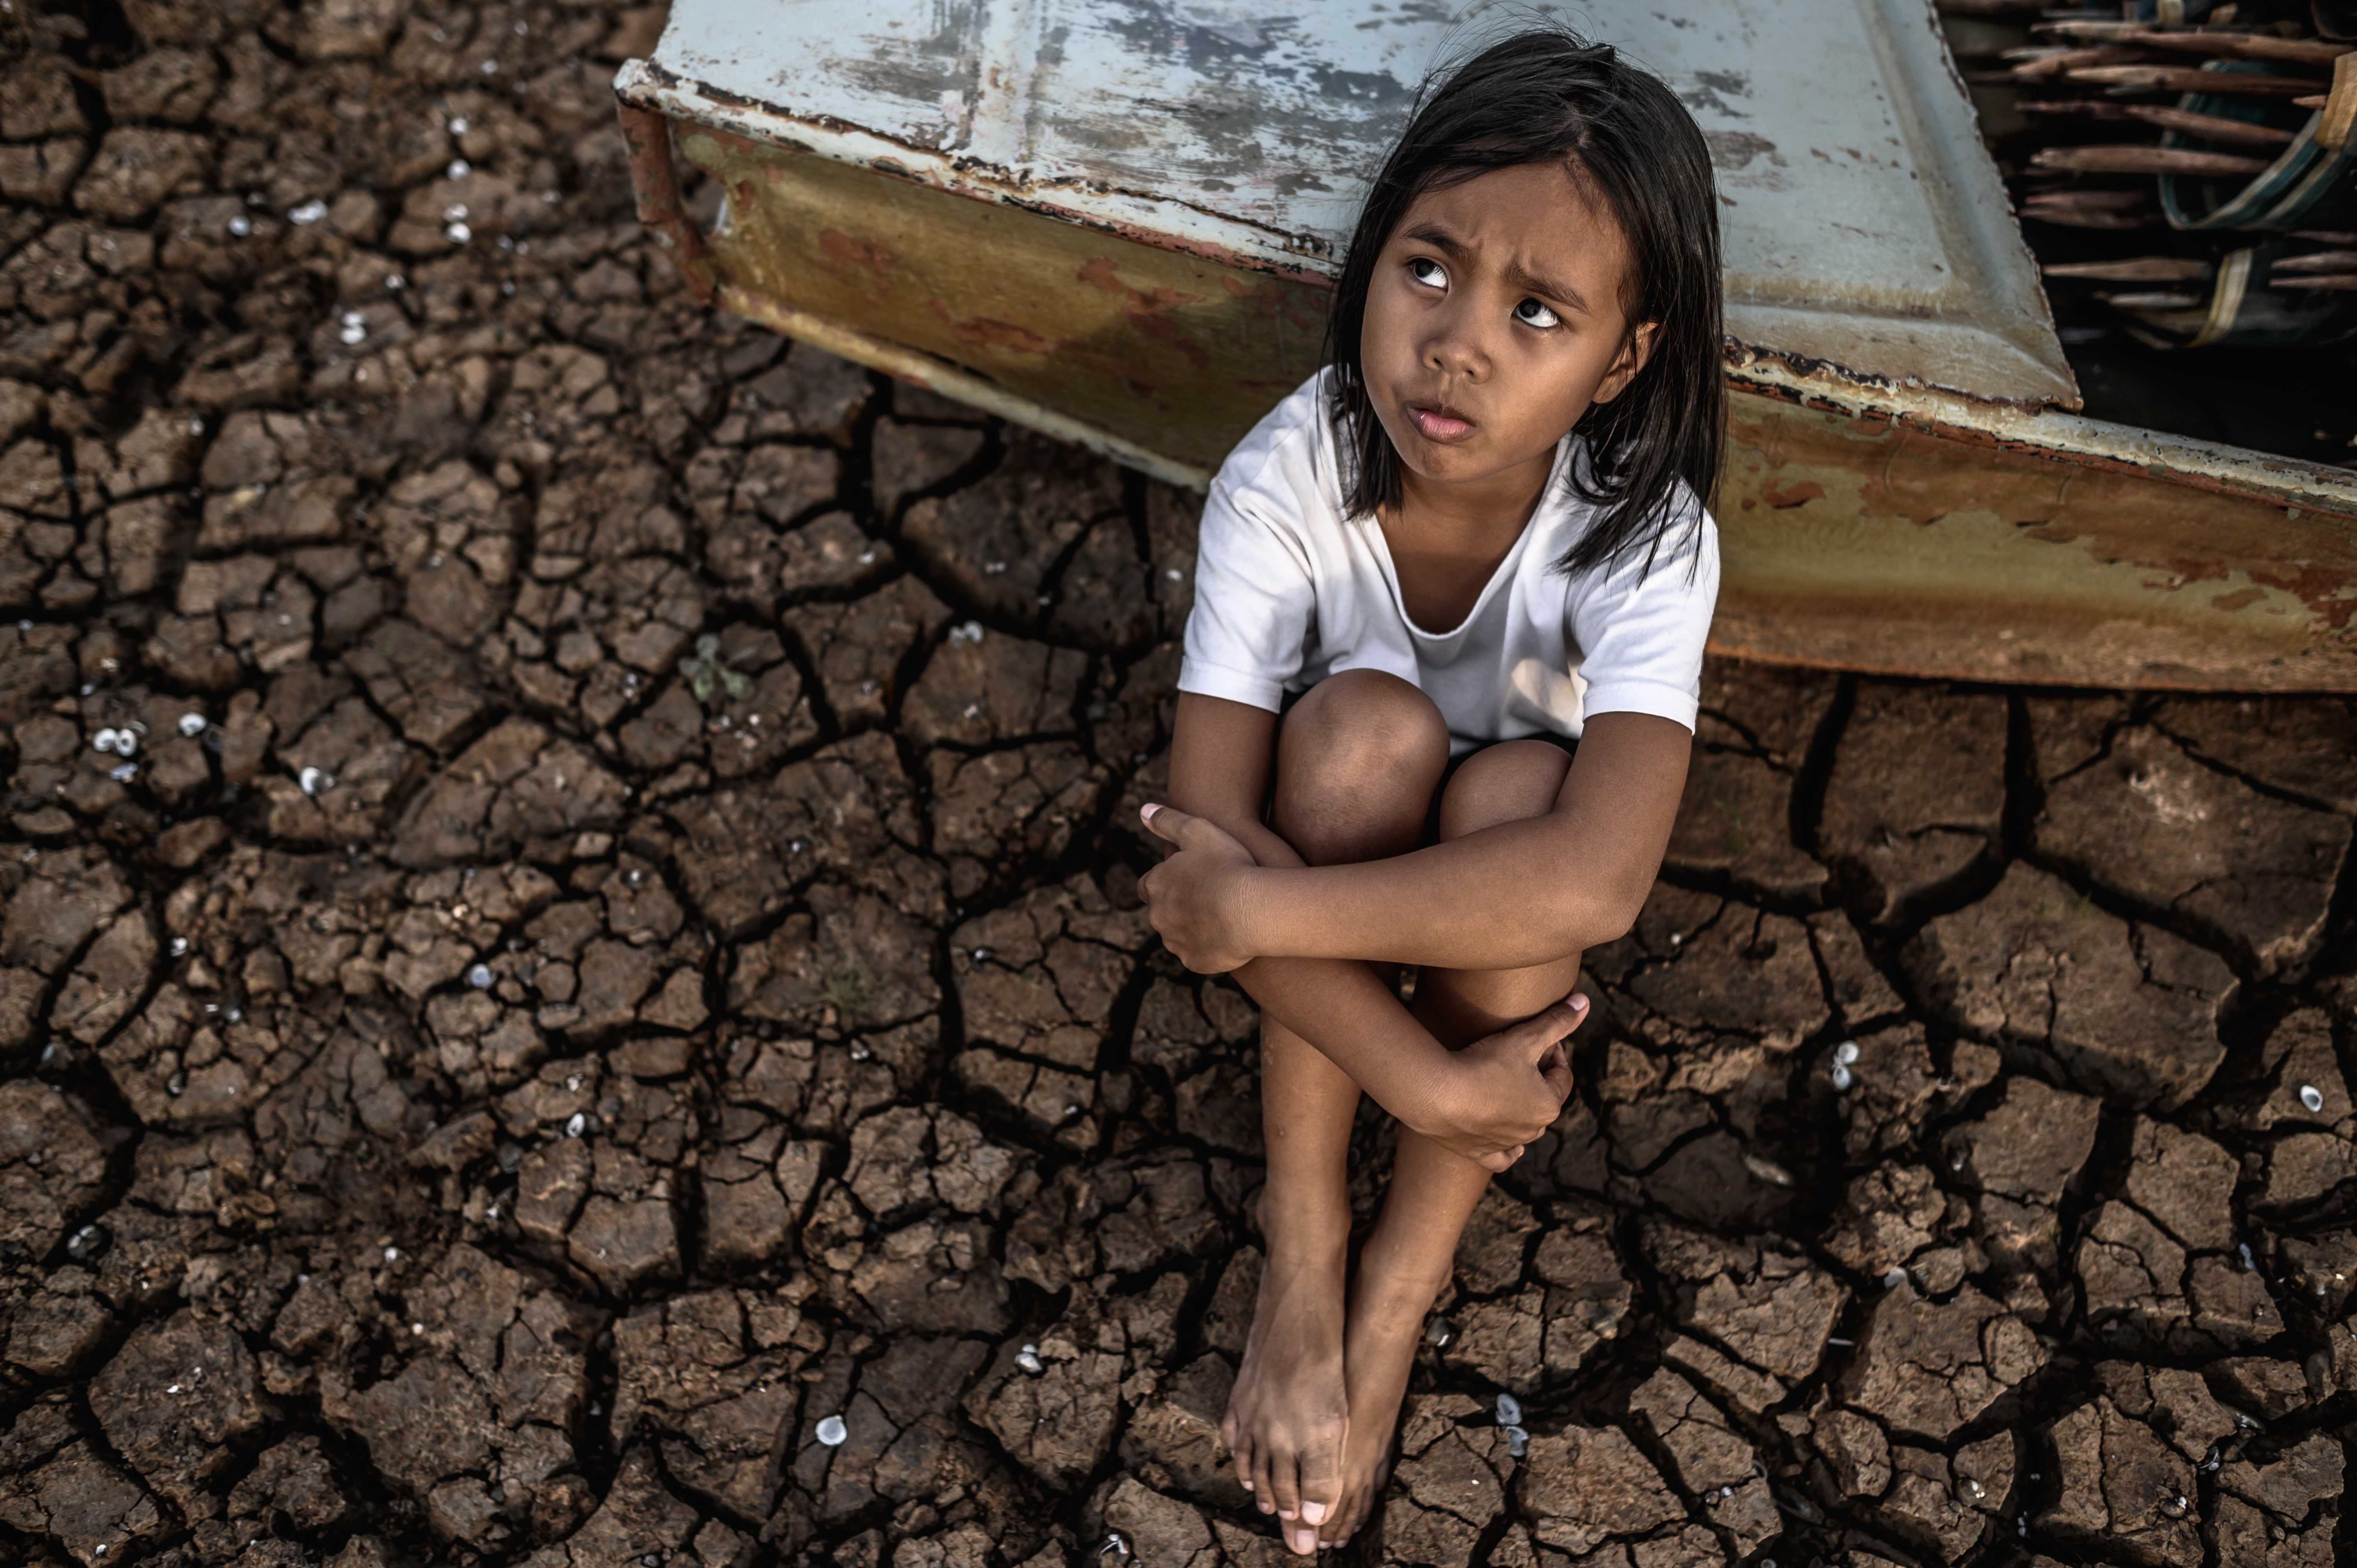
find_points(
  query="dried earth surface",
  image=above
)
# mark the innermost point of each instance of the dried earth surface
(568, 933)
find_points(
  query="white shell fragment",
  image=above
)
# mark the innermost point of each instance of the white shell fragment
(192, 724)
(2311, 1097)
(457, 233)
(310, 212)
(1518, 1441)
(1843, 1077)
(1847, 1052)
(312, 780)
(1028, 1359)
(241, 226)
(1510, 1411)
(479, 977)
(576, 1124)
(831, 1430)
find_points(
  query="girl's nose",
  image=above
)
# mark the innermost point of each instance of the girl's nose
(1454, 351)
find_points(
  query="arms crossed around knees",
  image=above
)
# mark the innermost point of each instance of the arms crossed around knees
(1305, 937)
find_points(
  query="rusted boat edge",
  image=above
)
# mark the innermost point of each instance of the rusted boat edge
(925, 370)
(2056, 434)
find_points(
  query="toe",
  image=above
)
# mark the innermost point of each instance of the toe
(1284, 1482)
(1321, 1479)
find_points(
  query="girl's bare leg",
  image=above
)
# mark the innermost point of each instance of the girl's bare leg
(1433, 1191)
(1357, 761)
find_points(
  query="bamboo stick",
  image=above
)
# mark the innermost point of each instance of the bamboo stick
(2325, 236)
(2089, 196)
(2134, 269)
(2320, 262)
(2136, 157)
(2208, 127)
(2336, 283)
(2246, 46)
(2074, 215)
(2184, 79)
(2106, 29)
(2049, 65)
(2172, 301)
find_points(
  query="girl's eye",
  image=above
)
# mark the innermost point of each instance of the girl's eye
(1544, 317)
(1426, 271)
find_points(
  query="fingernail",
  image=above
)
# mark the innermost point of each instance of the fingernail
(1579, 1003)
(1145, 812)
(1315, 1513)
(1288, 1514)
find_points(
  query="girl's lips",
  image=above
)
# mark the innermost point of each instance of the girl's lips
(1438, 427)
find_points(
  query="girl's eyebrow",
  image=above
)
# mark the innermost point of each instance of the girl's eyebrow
(1440, 238)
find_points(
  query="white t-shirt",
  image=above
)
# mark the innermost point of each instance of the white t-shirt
(1286, 592)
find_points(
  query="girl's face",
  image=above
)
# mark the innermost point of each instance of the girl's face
(1494, 320)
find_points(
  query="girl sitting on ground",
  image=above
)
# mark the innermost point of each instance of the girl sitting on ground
(1437, 699)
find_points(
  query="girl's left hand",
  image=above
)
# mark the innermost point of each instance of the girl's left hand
(1191, 897)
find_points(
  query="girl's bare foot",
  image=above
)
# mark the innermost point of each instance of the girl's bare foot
(1387, 1320)
(1288, 1414)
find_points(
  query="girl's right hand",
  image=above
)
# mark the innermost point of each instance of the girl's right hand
(1504, 1089)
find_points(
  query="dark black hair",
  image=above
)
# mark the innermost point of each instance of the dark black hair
(1546, 95)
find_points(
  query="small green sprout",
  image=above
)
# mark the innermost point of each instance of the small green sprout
(850, 992)
(707, 672)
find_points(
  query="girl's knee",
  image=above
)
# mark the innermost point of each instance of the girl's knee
(1363, 725)
(1503, 783)
(1357, 760)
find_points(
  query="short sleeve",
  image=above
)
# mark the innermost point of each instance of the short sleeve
(1249, 632)
(1641, 632)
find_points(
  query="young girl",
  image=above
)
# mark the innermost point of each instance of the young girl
(1452, 593)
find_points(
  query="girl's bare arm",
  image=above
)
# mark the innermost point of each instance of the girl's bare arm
(1521, 892)
(1221, 754)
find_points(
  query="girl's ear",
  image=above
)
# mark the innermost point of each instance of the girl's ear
(1635, 349)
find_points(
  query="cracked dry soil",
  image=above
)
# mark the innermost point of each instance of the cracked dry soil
(570, 916)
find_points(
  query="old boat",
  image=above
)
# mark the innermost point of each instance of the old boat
(1117, 221)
